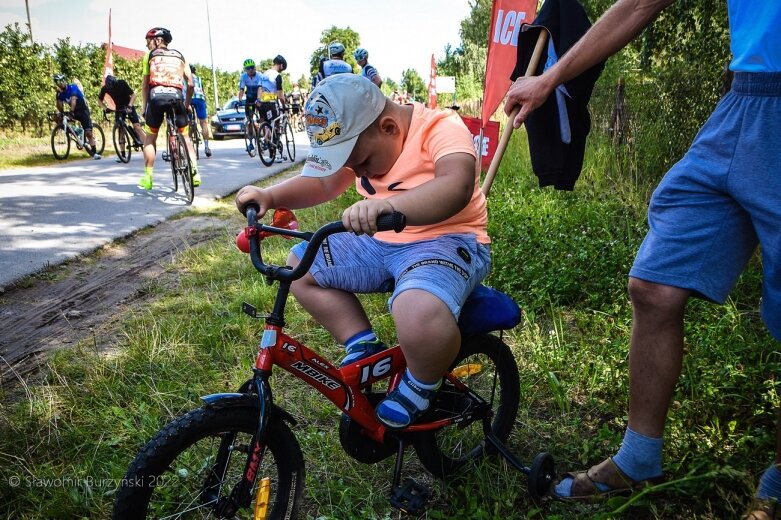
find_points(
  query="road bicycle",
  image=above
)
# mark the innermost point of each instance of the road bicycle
(270, 137)
(67, 130)
(124, 136)
(178, 156)
(195, 131)
(237, 457)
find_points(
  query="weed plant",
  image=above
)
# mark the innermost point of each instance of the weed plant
(563, 256)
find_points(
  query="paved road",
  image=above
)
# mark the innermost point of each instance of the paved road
(54, 213)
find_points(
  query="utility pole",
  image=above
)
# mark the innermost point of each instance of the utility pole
(211, 53)
(29, 25)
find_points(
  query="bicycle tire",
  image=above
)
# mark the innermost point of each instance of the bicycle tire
(61, 143)
(290, 141)
(100, 138)
(159, 479)
(172, 161)
(250, 137)
(445, 451)
(120, 131)
(185, 168)
(195, 136)
(266, 148)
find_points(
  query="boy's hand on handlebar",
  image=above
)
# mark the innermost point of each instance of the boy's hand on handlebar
(361, 217)
(253, 194)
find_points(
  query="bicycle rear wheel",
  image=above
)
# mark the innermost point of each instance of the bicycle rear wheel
(266, 148)
(191, 466)
(196, 137)
(185, 168)
(171, 150)
(61, 143)
(290, 142)
(122, 139)
(100, 138)
(250, 134)
(487, 367)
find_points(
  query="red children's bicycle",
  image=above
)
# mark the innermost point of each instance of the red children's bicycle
(236, 456)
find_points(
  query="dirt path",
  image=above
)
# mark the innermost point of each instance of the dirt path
(85, 298)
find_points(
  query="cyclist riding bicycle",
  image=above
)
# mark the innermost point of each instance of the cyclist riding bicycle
(361, 55)
(165, 73)
(296, 102)
(271, 92)
(335, 63)
(198, 104)
(249, 82)
(71, 94)
(124, 101)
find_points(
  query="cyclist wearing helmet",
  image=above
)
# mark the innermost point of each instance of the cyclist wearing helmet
(361, 55)
(124, 100)
(335, 63)
(198, 104)
(271, 92)
(165, 74)
(71, 94)
(249, 83)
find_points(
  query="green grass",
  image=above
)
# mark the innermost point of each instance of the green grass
(24, 151)
(563, 256)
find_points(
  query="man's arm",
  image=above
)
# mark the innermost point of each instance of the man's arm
(144, 92)
(618, 26)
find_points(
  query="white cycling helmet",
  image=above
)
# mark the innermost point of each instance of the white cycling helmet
(361, 54)
(335, 48)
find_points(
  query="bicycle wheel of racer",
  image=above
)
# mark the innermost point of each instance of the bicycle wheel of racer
(487, 367)
(195, 135)
(191, 466)
(120, 135)
(250, 138)
(290, 141)
(100, 138)
(170, 150)
(185, 168)
(61, 143)
(266, 149)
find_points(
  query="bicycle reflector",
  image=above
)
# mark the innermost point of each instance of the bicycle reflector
(242, 242)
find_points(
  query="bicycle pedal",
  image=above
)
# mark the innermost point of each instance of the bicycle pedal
(410, 497)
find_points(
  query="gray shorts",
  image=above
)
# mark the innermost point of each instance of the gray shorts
(722, 199)
(448, 267)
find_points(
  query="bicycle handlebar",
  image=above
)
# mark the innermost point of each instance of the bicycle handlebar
(386, 222)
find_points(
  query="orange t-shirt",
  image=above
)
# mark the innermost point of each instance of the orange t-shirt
(432, 135)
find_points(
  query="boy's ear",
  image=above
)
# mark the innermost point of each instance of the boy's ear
(388, 125)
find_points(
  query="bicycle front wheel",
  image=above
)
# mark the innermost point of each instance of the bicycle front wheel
(190, 468)
(185, 168)
(196, 138)
(100, 138)
(266, 147)
(290, 142)
(487, 367)
(61, 143)
(123, 142)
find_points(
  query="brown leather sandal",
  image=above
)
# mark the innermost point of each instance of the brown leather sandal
(764, 510)
(584, 485)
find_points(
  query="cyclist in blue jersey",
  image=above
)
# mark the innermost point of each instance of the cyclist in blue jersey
(198, 102)
(335, 63)
(249, 84)
(71, 94)
(706, 219)
(361, 55)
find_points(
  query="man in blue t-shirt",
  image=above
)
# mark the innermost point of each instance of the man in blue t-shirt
(706, 218)
(249, 83)
(70, 96)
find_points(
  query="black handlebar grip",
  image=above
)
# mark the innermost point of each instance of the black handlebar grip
(392, 222)
(249, 205)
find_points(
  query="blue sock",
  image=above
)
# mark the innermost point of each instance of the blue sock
(364, 335)
(639, 457)
(393, 413)
(770, 484)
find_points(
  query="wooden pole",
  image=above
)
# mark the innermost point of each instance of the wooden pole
(508, 129)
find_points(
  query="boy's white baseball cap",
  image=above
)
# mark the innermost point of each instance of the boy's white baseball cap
(336, 112)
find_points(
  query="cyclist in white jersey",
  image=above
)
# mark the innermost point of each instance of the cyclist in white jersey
(361, 55)
(335, 63)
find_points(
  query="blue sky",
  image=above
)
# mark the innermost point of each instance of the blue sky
(398, 34)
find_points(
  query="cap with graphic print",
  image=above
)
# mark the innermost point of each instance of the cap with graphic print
(337, 111)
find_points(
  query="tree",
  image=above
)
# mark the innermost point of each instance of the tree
(413, 84)
(349, 38)
(25, 80)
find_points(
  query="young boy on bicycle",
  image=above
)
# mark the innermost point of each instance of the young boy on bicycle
(403, 158)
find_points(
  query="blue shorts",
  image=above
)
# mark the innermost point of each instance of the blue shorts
(722, 199)
(448, 267)
(200, 107)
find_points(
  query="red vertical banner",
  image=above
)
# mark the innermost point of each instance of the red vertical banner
(108, 65)
(432, 84)
(507, 16)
